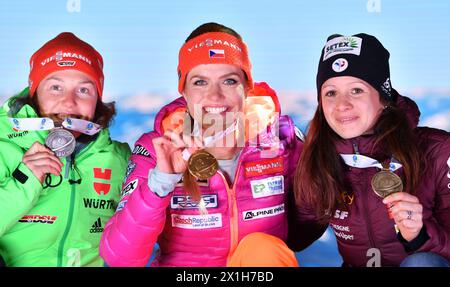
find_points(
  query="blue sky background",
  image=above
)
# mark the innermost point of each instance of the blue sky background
(139, 41)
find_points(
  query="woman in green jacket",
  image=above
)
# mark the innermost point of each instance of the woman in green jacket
(60, 173)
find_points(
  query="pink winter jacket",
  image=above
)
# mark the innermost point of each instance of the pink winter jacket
(256, 203)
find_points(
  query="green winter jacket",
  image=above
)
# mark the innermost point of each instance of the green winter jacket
(55, 224)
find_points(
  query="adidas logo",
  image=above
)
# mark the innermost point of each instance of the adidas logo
(97, 226)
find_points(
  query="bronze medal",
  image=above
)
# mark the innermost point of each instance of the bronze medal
(202, 165)
(385, 183)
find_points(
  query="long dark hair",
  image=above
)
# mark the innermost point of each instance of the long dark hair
(322, 190)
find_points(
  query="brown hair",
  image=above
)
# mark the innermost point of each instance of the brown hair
(322, 190)
(212, 27)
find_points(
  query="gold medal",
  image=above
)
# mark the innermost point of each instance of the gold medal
(385, 183)
(202, 165)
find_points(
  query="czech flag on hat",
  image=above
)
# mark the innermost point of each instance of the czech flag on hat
(214, 53)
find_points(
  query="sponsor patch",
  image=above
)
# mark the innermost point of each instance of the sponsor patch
(263, 212)
(131, 166)
(262, 167)
(66, 63)
(48, 219)
(121, 205)
(60, 55)
(215, 53)
(339, 65)
(97, 226)
(342, 45)
(185, 202)
(130, 187)
(197, 221)
(17, 134)
(267, 186)
(340, 214)
(98, 203)
(102, 188)
(140, 150)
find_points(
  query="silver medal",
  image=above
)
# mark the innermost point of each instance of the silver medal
(61, 142)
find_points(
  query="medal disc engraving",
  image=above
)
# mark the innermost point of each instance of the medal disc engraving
(202, 165)
(385, 183)
(61, 142)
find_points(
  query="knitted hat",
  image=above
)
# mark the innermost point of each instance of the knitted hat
(361, 56)
(66, 52)
(213, 48)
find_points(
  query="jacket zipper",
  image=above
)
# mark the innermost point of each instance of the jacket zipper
(232, 206)
(366, 208)
(366, 213)
(234, 216)
(69, 168)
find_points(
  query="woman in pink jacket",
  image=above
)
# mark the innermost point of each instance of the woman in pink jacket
(201, 216)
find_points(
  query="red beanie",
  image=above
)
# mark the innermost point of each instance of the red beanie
(213, 48)
(66, 52)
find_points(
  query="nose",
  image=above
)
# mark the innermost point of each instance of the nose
(215, 92)
(343, 103)
(68, 101)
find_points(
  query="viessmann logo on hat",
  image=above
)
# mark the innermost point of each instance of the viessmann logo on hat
(59, 58)
(214, 42)
(342, 45)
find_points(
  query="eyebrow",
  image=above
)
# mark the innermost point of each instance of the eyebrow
(54, 78)
(61, 80)
(230, 74)
(350, 83)
(205, 76)
(87, 82)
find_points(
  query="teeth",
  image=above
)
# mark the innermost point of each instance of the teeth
(215, 110)
(344, 120)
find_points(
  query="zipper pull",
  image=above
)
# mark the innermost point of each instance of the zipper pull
(355, 148)
(68, 166)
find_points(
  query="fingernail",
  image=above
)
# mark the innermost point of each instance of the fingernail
(390, 215)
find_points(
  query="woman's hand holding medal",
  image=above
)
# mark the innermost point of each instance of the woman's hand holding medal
(406, 210)
(169, 150)
(40, 160)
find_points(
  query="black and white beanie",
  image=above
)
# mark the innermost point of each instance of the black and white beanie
(361, 56)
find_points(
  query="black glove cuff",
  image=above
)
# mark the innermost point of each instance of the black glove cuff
(416, 243)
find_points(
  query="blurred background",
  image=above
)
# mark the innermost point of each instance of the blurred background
(139, 41)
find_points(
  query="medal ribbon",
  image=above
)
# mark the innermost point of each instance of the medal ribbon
(362, 161)
(42, 124)
(207, 141)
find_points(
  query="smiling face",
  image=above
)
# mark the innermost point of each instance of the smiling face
(217, 90)
(67, 93)
(351, 106)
